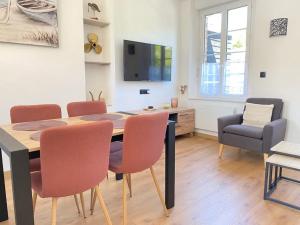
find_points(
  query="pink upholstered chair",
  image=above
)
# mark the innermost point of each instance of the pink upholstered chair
(82, 164)
(86, 108)
(143, 144)
(27, 113)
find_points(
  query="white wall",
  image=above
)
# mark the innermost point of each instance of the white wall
(279, 57)
(34, 75)
(151, 21)
(101, 77)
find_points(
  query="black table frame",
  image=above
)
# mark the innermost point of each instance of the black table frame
(21, 180)
(272, 180)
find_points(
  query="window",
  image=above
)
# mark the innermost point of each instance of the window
(224, 52)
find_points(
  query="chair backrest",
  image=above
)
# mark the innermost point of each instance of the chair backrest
(27, 113)
(74, 158)
(143, 141)
(278, 105)
(86, 108)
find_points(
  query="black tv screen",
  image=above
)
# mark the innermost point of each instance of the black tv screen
(147, 62)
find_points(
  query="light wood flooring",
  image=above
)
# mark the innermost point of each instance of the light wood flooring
(209, 191)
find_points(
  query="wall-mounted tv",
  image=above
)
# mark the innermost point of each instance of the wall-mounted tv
(147, 62)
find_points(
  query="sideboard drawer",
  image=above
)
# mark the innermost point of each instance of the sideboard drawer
(188, 115)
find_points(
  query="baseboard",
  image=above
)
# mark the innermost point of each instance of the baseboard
(206, 136)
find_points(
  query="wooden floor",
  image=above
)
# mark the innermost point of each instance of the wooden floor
(209, 191)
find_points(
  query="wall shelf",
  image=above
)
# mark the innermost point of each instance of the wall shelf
(97, 23)
(97, 62)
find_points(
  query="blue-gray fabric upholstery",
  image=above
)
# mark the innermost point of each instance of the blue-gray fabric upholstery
(232, 132)
(243, 142)
(246, 131)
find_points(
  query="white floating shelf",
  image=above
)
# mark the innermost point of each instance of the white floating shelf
(94, 22)
(97, 62)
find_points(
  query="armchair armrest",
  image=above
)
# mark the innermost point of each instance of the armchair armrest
(226, 121)
(273, 133)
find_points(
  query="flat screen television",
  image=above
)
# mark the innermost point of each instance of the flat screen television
(147, 62)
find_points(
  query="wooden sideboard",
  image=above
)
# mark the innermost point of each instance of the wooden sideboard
(184, 118)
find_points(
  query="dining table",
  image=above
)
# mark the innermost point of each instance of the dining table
(20, 142)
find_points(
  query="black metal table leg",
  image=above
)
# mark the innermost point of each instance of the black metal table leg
(21, 186)
(3, 203)
(271, 177)
(170, 166)
(119, 176)
(266, 188)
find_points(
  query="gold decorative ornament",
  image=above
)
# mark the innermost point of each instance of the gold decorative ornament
(93, 44)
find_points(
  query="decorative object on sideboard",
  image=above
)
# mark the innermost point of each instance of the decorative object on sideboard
(174, 103)
(93, 98)
(166, 106)
(279, 27)
(95, 8)
(93, 44)
(32, 22)
(183, 89)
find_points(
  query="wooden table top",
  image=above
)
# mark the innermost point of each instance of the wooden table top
(24, 137)
(287, 148)
(286, 161)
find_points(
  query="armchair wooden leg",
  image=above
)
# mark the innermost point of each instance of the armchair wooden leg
(103, 206)
(77, 204)
(34, 198)
(159, 192)
(124, 202)
(54, 210)
(82, 204)
(221, 149)
(128, 177)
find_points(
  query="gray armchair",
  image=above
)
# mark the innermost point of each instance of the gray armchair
(232, 132)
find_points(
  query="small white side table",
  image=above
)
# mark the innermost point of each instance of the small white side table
(285, 155)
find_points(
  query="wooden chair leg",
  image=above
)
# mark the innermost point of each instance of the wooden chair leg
(54, 210)
(128, 177)
(124, 202)
(93, 202)
(34, 198)
(103, 206)
(92, 198)
(221, 149)
(82, 204)
(159, 192)
(77, 204)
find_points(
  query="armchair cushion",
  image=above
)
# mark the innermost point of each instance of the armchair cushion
(257, 115)
(246, 131)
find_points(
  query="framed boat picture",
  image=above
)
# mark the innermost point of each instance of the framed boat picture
(32, 22)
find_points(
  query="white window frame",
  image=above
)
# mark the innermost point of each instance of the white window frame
(224, 10)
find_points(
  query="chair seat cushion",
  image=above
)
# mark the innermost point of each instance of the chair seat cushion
(244, 130)
(115, 162)
(35, 165)
(36, 183)
(115, 146)
(115, 157)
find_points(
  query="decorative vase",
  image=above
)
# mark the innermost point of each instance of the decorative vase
(174, 103)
